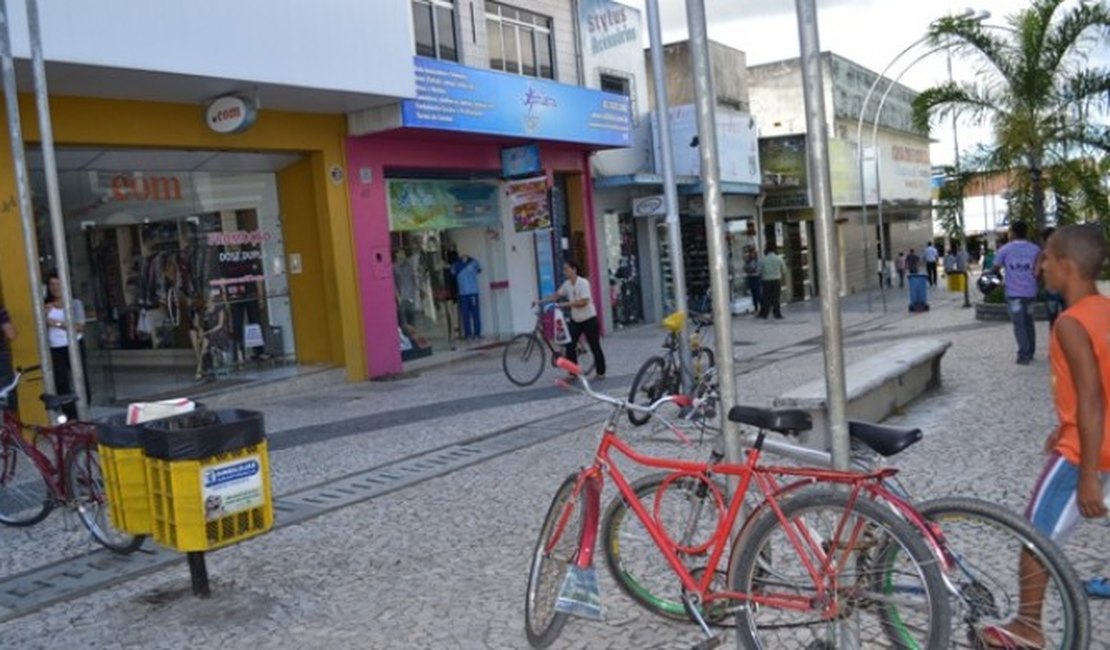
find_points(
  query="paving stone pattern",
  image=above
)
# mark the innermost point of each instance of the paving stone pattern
(443, 564)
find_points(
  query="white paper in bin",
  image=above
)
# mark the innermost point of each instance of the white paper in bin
(139, 412)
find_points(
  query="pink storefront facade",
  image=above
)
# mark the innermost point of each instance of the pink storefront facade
(509, 277)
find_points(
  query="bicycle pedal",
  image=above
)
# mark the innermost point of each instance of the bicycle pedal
(708, 644)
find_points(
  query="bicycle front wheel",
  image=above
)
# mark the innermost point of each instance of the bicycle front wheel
(24, 494)
(858, 578)
(523, 359)
(85, 482)
(652, 381)
(556, 550)
(986, 540)
(688, 509)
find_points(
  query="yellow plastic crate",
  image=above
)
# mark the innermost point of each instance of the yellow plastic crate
(125, 484)
(200, 505)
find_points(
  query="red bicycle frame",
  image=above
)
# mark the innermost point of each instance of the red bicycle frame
(823, 571)
(62, 438)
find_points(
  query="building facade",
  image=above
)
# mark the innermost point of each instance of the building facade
(490, 162)
(206, 219)
(897, 198)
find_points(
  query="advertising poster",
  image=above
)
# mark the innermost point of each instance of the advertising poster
(231, 487)
(530, 206)
(239, 254)
(441, 204)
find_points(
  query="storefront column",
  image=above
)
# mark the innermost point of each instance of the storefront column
(373, 261)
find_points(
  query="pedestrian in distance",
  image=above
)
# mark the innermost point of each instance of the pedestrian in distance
(931, 254)
(900, 268)
(1020, 259)
(575, 293)
(58, 336)
(772, 270)
(752, 274)
(7, 335)
(1075, 481)
(913, 262)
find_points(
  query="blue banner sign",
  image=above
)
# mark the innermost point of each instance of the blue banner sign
(471, 100)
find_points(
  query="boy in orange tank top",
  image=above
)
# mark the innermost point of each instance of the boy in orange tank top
(1075, 482)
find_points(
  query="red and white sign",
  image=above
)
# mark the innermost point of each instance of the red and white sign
(230, 114)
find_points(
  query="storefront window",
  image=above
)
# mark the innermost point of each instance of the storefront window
(625, 294)
(182, 275)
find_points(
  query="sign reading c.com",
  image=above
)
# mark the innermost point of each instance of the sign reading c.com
(230, 114)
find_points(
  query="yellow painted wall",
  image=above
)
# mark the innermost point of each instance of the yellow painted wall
(318, 208)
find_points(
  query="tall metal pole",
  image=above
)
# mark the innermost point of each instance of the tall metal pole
(23, 188)
(827, 255)
(704, 99)
(57, 226)
(670, 189)
(960, 185)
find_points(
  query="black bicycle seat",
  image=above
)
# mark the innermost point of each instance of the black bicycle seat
(882, 439)
(789, 421)
(55, 402)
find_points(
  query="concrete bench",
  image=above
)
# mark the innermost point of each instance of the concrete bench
(876, 386)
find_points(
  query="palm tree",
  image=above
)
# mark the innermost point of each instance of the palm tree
(1037, 91)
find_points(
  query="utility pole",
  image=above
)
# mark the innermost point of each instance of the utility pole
(960, 186)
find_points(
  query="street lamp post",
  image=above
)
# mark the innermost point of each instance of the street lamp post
(960, 186)
(967, 14)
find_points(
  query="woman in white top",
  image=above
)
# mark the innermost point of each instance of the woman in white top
(58, 336)
(575, 293)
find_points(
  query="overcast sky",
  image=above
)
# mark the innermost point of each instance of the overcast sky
(870, 32)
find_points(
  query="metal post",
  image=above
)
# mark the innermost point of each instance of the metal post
(57, 225)
(198, 574)
(960, 185)
(23, 188)
(704, 97)
(670, 190)
(817, 140)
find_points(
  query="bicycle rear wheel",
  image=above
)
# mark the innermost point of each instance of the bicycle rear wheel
(985, 541)
(85, 483)
(24, 493)
(652, 381)
(848, 609)
(523, 359)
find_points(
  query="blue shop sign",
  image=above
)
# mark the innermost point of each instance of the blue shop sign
(453, 97)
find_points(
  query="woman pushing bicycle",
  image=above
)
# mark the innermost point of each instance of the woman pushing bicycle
(575, 293)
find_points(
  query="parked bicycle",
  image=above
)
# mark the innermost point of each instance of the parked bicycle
(981, 541)
(526, 355)
(43, 467)
(819, 564)
(662, 375)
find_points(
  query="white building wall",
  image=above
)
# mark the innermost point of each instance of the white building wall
(369, 44)
(471, 17)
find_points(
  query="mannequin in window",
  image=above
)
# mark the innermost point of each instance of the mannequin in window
(208, 333)
(466, 270)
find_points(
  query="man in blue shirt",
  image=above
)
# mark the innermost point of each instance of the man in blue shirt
(931, 254)
(1020, 259)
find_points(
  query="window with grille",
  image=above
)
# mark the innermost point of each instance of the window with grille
(433, 23)
(519, 41)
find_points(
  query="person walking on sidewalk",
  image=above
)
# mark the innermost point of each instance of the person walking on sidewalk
(913, 263)
(931, 256)
(1020, 258)
(900, 267)
(772, 269)
(1075, 481)
(752, 275)
(575, 292)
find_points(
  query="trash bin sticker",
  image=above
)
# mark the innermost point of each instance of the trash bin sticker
(231, 487)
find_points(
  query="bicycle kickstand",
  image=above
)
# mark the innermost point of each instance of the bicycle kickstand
(711, 640)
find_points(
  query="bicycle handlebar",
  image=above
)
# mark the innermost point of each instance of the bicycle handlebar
(572, 368)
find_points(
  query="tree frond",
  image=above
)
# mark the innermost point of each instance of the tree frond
(1084, 87)
(969, 37)
(941, 101)
(1084, 22)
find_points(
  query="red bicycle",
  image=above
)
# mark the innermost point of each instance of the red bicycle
(56, 466)
(818, 563)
